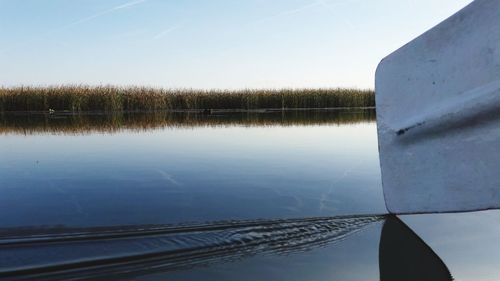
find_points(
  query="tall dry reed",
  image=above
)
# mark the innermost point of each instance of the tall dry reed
(110, 98)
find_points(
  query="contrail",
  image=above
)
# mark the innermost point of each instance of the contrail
(129, 4)
(166, 31)
(317, 3)
(77, 22)
(290, 11)
(119, 7)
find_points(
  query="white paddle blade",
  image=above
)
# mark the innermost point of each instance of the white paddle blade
(438, 116)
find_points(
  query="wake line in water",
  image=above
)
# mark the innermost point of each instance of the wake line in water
(80, 253)
(44, 235)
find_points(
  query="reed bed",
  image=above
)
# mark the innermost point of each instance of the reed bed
(76, 124)
(110, 99)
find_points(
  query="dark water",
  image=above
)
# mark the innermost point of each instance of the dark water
(220, 196)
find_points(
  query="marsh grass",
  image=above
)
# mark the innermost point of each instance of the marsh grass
(110, 98)
(75, 124)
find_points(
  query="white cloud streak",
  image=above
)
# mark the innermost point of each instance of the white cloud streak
(318, 3)
(129, 4)
(77, 22)
(105, 12)
(164, 32)
(290, 11)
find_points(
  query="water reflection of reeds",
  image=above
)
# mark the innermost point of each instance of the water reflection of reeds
(61, 123)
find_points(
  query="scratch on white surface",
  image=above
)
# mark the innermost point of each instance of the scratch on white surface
(460, 107)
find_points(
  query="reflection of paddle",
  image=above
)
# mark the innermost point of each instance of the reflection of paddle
(438, 110)
(404, 256)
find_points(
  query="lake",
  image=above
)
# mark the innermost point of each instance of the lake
(271, 195)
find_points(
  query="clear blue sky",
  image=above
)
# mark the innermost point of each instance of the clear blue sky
(207, 44)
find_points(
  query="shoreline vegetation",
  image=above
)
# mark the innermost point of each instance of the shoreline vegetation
(85, 123)
(76, 99)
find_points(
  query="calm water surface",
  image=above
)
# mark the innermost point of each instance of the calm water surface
(230, 196)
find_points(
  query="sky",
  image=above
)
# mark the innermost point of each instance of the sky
(208, 44)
